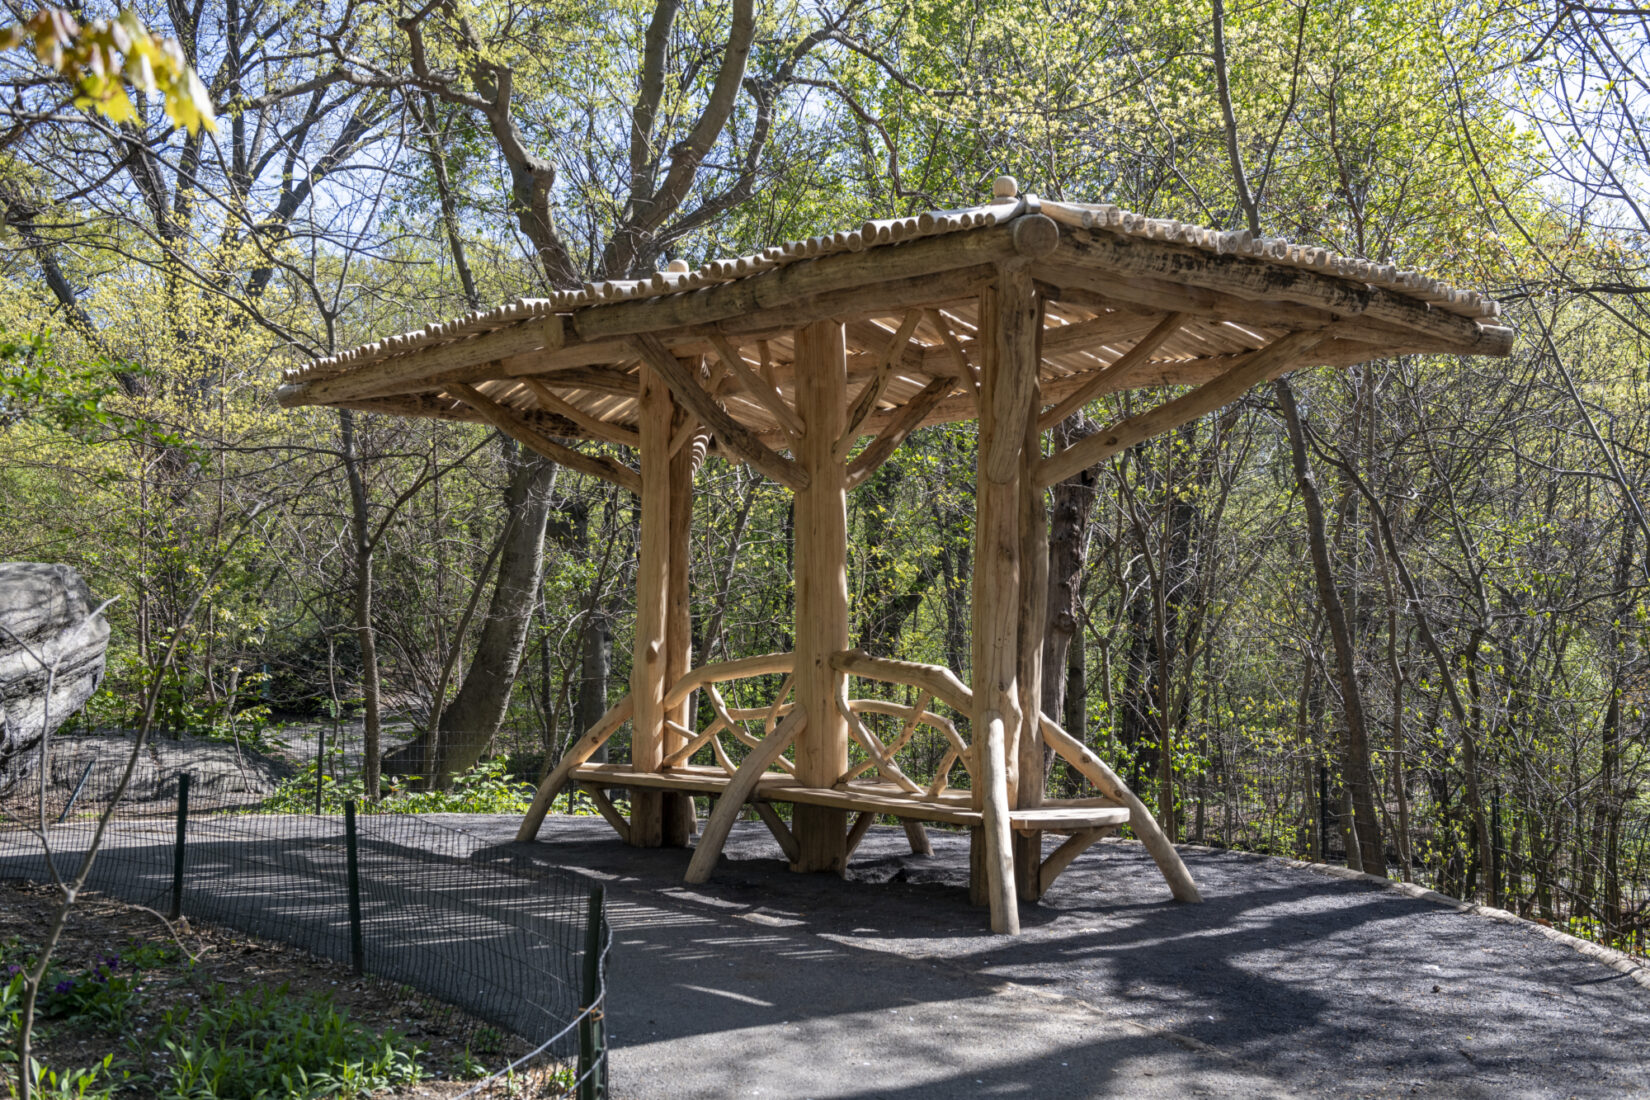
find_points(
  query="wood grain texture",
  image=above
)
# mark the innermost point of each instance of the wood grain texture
(506, 421)
(735, 439)
(821, 626)
(585, 747)
(732, 796)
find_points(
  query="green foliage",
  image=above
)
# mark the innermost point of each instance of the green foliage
(275, 1042)
(101, 58)
(484, 789)
(72, 398)
(262, 1042)
(96, 1083)
(296, 793)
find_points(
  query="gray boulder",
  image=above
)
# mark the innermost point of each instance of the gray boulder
(52, 644)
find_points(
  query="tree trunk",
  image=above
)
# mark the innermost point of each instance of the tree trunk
(1355, 767)
(470, 722)
(595, 666)
(366, 636)
(1072, 501)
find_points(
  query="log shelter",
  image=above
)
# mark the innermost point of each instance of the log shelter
(812, 362)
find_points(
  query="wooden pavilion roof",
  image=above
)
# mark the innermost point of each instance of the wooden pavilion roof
(1128, 301)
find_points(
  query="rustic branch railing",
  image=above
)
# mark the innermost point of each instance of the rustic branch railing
(767, 775)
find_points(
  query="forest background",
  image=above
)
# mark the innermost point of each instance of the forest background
(377, 165)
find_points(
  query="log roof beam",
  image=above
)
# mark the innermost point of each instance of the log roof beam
(507, 421)
(735, 439)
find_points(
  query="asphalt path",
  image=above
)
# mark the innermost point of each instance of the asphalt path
(1283, 982)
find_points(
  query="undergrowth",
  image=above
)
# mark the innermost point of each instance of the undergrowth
(484, 789)
(207, 1043)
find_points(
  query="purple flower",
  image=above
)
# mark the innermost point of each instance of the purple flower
(63, 986)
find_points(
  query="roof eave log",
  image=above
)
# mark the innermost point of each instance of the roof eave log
(1280, 355)
(507, 421)
(735, 439)
(1119, 261)
(832, 285)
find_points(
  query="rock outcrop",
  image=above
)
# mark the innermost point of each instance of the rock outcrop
(52, 643)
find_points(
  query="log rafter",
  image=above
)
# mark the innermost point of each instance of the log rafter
(507, 421)
(909, 416)
(1279, 356)
(1115, 375)
(736, 439)
(764, 392)
(873, 389)
(595, 425)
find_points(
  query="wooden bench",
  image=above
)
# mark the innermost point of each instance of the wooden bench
(1083, 820)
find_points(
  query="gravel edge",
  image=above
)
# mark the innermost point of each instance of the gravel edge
(1619, 961)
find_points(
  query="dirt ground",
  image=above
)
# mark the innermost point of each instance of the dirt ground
(101, 926)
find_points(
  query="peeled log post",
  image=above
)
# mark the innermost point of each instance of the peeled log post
(1008, 397)
(648, 667)
(678, 814)
(821, 591)
(52, 643)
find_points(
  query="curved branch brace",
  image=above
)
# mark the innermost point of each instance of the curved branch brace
(1140, 819)
(583, 749)
(507, 421)
(913, 716)
(881, 758)
(737, 440)
(734, 795)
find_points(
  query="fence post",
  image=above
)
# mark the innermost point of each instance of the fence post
(357, 947)
(177, 854)
(320, 765)
(78, 787)
(592, 1027)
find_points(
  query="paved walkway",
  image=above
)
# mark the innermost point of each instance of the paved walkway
(769, 983)
(1284, 982)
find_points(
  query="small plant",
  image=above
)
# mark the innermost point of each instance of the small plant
(484, 789)
(488, 1040)
(273, 1042)
(465, 1065)
(96, 1083)
(296, 794)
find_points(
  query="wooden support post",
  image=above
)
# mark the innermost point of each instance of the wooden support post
(679, 819)
(648, 676)
(862, 825)
(1009, 319)
(977, 893)
(1032, 768)
(821, 589)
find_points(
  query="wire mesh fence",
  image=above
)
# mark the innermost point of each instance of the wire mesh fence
(405, 900)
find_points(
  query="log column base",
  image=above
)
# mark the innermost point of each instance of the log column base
(646, 819)
(979, 892)
(1028, 865)
(821, 837)
(679, 820)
